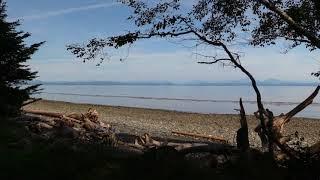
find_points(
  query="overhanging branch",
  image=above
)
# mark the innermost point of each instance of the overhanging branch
(163, 34)
(315, 40)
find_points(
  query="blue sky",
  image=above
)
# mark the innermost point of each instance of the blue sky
(61, 22)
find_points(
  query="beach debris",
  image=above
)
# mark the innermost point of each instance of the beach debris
(146, 143)
(211, 138)
(270, 131)
(86, 126)
(91, 115)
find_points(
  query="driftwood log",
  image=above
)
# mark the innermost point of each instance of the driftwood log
(280, 121)
(145, 143)
(275, 127)
(200, 136)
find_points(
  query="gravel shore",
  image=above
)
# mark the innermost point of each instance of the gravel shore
(161, 123)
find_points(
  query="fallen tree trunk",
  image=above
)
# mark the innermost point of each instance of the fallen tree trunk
(200, 136)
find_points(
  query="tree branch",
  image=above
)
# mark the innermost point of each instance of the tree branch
(253, 81)
(298, 40)
(315, 40)
(213, 62)
(163, 34)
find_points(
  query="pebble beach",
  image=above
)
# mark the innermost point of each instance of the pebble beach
(161, 123)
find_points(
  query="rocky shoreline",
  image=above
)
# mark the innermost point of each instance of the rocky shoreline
(161, 123)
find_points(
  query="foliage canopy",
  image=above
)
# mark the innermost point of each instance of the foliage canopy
(262, 22)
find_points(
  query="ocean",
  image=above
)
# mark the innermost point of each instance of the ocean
(200, 99)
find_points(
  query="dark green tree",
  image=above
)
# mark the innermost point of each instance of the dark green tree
(14, 72)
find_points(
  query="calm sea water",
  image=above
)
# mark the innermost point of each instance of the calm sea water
(202, 99)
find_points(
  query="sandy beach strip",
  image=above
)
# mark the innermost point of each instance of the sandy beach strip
(161, 123)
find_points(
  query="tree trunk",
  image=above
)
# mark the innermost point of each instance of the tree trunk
(242, 133)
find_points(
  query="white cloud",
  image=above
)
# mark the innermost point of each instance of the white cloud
(65, 11)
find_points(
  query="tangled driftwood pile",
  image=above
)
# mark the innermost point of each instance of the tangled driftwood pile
(86, 127)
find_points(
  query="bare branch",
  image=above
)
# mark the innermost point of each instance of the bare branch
(215, 61)
(163, 34)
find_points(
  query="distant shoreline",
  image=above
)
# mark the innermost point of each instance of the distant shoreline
(180, 99)
(156, 83)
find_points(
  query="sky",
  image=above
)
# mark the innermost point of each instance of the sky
(61, 22)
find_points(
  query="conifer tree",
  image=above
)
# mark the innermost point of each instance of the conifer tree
(15, 74)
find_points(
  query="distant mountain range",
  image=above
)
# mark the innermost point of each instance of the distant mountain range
(242, 82)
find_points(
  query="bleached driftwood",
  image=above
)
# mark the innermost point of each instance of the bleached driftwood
(275, 126)
(145, 143)
(86, 123)
(92, 115)
(200, 136)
